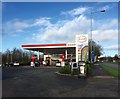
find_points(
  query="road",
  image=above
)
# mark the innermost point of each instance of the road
(43, 82)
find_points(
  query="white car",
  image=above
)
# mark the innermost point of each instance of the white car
(58, 64)
(44, 63)
(32, 64)
(114, 61)
(16, 64)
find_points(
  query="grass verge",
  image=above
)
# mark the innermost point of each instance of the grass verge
(112, 71)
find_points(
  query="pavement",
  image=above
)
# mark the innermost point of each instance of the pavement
(43, 82)
(113, 65)
(99, 72)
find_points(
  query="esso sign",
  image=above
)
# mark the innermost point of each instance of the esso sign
(81, 39)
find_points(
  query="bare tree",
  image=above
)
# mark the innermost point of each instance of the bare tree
(96, 48)
(16, 55)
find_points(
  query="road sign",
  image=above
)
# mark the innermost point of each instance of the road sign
(92, 53)
(74, 65)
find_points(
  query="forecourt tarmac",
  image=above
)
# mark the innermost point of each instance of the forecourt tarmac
(43, 82)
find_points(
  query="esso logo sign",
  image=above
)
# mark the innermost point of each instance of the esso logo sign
(81, 39)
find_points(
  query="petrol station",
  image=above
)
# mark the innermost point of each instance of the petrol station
(73, 52)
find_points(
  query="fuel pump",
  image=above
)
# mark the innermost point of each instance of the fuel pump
(82, 68)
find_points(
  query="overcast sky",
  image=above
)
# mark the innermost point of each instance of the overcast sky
(39, 23)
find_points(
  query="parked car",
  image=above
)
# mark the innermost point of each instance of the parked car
(44, 63)
(58, 63)
(32, 64)
(67, 62)
(37, 64)
(11, 64)
(16, 64)
(114, 61)
(6, 65)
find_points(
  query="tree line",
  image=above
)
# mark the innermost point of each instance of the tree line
(98, 50)
(110, 59)
(16, 55)
(24, 56)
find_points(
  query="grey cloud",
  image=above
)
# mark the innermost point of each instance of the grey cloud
(112, 47)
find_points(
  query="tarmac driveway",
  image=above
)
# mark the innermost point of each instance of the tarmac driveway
(43, 82)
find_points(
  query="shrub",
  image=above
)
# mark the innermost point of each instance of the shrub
(23, 63)
(89, 69)
(74, 72)
(65, 70)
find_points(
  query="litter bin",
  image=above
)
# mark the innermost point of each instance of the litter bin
(82, 69)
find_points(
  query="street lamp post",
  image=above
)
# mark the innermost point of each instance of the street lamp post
(91, 32)
(91, 37)
(11, 56)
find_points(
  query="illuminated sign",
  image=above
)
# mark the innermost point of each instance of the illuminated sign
(81, 50)
(81, 39)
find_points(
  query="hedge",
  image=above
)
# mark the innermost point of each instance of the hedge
(67, 70)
